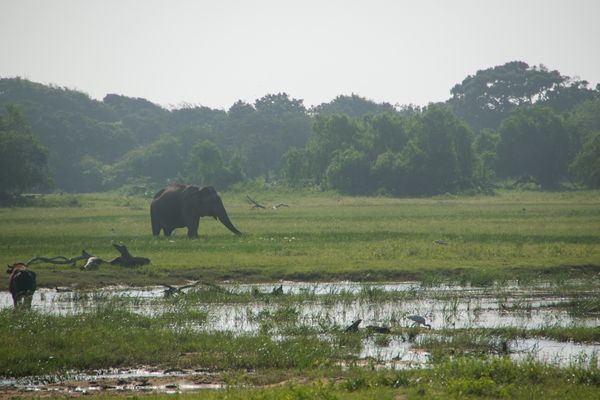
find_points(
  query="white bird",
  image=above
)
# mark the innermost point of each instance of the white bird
(92, 263)
(417, 319)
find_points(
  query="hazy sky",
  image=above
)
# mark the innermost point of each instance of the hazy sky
(213, 53)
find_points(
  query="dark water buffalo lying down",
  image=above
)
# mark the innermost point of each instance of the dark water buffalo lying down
(21, 284)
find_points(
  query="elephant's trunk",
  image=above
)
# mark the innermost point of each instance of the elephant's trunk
(224, 218)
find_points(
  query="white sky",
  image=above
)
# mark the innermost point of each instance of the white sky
(213, 53)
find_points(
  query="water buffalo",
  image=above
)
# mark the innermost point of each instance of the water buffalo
(21, 284)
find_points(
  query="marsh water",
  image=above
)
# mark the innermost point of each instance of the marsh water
(342, 303)
(334, 306)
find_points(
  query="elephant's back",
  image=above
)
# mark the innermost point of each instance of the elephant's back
(166, 207)
(159, 193)
(169, 190)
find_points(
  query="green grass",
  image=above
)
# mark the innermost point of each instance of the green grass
(37, 344)
(320, 236)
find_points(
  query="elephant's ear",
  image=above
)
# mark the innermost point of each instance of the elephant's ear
(189, 194)
(196, 195)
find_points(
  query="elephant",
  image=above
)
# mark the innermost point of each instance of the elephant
(178, 206)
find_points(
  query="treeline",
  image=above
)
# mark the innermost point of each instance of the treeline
(507, 122)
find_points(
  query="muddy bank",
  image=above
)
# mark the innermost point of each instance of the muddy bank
(122, 380)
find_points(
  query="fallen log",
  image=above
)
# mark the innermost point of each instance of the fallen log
(61, 260)
(126, 259)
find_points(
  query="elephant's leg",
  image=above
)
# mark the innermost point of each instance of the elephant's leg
(155, 225)
(193, 228)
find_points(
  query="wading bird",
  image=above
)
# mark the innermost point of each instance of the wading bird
(92, 263)
(354, 326)
(417, 319)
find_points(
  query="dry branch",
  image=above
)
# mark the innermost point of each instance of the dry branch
(61, 260)
(124, 260)
(254, 203)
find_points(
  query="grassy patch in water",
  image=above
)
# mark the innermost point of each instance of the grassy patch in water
(576, 334)
(36, 344)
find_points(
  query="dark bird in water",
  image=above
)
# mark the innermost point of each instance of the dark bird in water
(354, 326)
(173, 290)
(417, 319)
(277, 291)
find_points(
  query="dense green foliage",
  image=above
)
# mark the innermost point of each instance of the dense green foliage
(485, 99)
(534, 142)
(511, 122)
(22, 159)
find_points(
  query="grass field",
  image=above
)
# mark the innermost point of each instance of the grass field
(526, 236)
(320, 236)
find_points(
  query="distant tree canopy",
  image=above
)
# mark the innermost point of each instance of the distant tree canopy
(352, 106)
(534, 142)
(485, 99)
(508, 122)
(421, 154)
(23, 160)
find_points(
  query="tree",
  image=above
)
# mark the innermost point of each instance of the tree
(352, 106)
(586, 166)
(534, 142)
(205, 166)
(295, 167)
(160, 161)
(264, 131)
(349, 172)
(486, 146)
(440, 157)
(331, 133)
(385, 132)
(23, 160)
(92, 172)
(583, 122)
(489, 96)
(387, 173)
